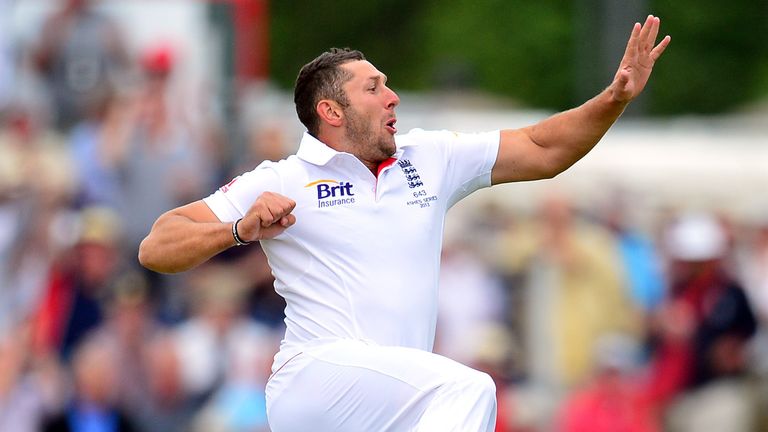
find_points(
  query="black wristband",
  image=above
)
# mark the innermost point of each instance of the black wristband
(238, 240)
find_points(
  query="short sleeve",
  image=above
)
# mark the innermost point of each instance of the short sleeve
(231, 201)
(468, 159)
(471, 157)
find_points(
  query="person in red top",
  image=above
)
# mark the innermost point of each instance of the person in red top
(702, 330)
(614, 401)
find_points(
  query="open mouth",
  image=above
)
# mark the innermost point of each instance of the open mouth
(390, 125)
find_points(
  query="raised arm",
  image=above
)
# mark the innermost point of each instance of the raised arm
(187, 236)
(554, 144)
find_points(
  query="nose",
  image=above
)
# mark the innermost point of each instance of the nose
(393, 99)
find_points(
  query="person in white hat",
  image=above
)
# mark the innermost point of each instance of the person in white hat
(723, 320)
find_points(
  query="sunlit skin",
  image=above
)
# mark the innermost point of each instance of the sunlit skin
(366, 126)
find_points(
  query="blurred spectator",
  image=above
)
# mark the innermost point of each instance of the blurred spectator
(471, 298)
(166, 408)
(36, 184)
(128, 327)
(96, 144)
(162, 158)
(143, 156)
(754, 266)
(7, 60)
(78, 284)
(725, 405)
(29, 387)
(80, 55)
(711, 323)
(613, 399)
(671, 357)
(495, 353)
(225, 357)
(573, 292)
(263, 304)
(641, 262)
(30, 151)
(724, 318)
(93, 405)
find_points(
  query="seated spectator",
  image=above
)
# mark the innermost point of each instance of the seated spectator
(93, 405)
(128, 327)
(80, 55)
(72, 304)
(220, 347)
(29, 387)
(166, 407)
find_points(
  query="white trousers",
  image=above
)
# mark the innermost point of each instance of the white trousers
(353, 386)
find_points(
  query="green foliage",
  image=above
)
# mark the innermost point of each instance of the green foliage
(516, 49)
(536, 53)
(520, 49)
(718, 56)
(389, 33)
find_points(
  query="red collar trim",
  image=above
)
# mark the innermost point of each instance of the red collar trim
(383, 165)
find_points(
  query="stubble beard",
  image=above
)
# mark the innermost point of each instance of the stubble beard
(368, 145)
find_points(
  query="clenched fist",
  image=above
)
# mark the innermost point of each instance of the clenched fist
(269, 216)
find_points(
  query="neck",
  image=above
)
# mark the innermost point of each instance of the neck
(372, 166)
(339, 142)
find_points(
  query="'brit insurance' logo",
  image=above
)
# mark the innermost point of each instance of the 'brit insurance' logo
(332, 193)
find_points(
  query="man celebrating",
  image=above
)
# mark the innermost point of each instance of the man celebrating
(352, 226)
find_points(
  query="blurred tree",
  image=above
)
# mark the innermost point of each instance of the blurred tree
(602, 28)
(548, 54)
(516, 49)
(389, 33)
(718, 58)
(519, 49)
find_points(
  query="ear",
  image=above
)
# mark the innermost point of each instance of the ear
(330, 112)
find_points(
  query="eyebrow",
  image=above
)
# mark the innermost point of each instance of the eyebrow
(377, 78)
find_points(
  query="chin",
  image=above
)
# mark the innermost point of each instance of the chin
(391, 146)
(390, 150)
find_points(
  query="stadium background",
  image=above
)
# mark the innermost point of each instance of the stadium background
(564, 290)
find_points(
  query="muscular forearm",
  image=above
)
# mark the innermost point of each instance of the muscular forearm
(568, 136)
(549, 147)
(177, 243)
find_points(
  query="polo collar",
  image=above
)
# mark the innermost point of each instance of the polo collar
(316, 152)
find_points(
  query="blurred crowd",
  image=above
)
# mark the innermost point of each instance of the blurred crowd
(586, 320)
(591, 321)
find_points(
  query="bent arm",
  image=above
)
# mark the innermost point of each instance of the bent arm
(183, 238)
(187, 236)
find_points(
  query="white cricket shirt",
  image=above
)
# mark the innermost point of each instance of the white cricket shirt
(363, 258)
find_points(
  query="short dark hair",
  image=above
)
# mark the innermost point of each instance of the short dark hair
(322, 78)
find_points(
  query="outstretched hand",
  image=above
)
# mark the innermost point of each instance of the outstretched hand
(638, 60)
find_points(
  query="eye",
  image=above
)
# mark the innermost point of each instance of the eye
(372, 89)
